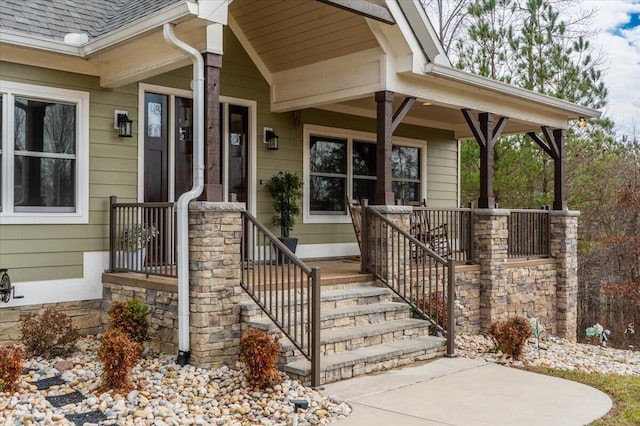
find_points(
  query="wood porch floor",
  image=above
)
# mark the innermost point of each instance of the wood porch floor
(333, 272)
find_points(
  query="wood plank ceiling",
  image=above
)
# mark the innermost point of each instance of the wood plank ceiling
(292, 33)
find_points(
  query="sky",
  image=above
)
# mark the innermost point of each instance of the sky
(618, 26)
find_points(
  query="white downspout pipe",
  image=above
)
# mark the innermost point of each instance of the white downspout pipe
(198, 185)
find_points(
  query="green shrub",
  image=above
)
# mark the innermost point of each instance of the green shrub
(511, 335)
(130, 317)
(119, 355)
(49, 334)
(259, 352)
(11, 366)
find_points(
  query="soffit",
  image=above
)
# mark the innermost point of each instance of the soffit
(291, 33)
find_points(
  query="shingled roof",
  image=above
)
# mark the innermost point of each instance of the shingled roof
(52, 19)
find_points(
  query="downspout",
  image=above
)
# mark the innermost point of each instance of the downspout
(198, 185)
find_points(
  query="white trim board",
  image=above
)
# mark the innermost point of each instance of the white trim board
(89, 287)
(312, 251)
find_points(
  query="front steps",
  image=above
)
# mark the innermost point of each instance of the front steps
(362, 331)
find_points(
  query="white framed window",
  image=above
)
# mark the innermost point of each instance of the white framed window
(340, 163)
(44, 154)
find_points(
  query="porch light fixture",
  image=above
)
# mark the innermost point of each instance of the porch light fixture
(426, 103)
(270, 138)
(582, 123)
(123, 124)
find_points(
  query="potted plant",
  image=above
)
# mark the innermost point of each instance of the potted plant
(286, 190)
(133, 241)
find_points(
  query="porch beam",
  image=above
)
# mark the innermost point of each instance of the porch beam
(364, 8)
(384, 120)
(213, 165)
(399, 115)
(486, 134)
(541, 143)
(553, 145)
(559, 176)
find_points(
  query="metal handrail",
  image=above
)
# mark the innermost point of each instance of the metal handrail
(412, 270)
(285, 288)
(528, 233)
(151, 227)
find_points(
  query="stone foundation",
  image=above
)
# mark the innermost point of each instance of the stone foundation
(162, 300)
(85, 315)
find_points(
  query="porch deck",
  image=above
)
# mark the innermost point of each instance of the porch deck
(334, 272)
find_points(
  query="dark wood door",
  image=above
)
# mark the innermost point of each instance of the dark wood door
(156, 148)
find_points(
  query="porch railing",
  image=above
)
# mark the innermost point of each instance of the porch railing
(287, 290)
(412, 270)
(448, 232)
(142, 238)
(529, 233)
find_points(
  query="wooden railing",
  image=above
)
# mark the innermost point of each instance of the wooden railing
(287, 290)
(142, 238)
(412, 270)
(529, 233)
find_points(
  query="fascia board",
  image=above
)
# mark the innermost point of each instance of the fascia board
(570, 109)
(28, 41)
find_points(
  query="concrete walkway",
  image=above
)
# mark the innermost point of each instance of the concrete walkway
(467, 392)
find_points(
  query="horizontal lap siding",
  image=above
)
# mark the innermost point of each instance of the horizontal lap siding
(51, 252)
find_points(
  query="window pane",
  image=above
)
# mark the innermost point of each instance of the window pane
(327, 195)
(364, 188)
(408, 191)
(42, 126)
(44, 182)
(364, 159)
(405, 162)
(328, 155)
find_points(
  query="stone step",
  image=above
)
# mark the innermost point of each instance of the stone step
(369, 359)
(335, 298)
(348, 316)
(346, 339)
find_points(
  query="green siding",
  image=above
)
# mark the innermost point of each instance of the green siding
(46, 252)
(49, 252)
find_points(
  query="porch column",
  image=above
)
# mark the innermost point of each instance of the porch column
(215, 232)
(564, 242)
(486, 134)
(212, 156)
(553, 145)
(490, 236)
(384, 131)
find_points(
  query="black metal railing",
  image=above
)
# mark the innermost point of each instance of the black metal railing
(448, 232)
(287, 290)
(142, 238)
(529, 233)
(414, 271)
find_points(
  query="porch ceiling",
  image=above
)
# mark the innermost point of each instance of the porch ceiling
(287, 34)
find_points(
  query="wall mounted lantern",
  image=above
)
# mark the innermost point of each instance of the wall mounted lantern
(270, 138)
(582, 123)
(123, 124)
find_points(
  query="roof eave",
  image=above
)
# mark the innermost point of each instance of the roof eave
(39, 43)
(572, 110)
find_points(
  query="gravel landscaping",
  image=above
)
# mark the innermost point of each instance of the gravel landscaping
(62, 391)
(166, 394)
(555, 353)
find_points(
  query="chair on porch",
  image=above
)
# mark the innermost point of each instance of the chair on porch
(436, 238)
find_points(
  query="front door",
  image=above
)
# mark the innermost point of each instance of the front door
(168, 148)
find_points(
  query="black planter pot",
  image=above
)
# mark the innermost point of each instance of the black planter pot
(291, 243)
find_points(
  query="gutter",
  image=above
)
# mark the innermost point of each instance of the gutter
(184, 351)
